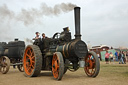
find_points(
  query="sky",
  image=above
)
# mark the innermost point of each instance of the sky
(102, 21)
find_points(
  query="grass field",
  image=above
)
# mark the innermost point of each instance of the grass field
(114, 74)
(118, 70)
(110, 74)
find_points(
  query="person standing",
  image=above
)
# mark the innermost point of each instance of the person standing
(111, 57)
(123, 57)
(116, 56)
(98, 56)
(107, 57)
(120, 58)
(127, 55)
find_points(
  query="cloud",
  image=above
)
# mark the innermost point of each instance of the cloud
(107, 22)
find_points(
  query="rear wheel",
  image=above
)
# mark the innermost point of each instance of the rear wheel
(92, 64)
(57, 66)
(32, 61)
(4, 64)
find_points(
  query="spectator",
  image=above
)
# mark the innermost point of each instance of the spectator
(98, 56)
(127, 55)
(107, 57)
(111, 57)
(116, 56)
(120, 58)
(123, 57)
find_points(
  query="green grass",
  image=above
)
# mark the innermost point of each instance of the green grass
(119, 70)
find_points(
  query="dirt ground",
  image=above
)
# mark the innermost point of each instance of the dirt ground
(110, 74)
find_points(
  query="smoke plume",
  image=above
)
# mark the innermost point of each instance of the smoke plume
(33, 15)
(28, 40)
(6, 13)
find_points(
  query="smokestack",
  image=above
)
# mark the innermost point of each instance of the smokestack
(77, 22)
(16, 39)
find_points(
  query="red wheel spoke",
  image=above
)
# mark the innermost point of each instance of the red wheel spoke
(33, 57)
(27, 63)
(54, 58)
(32, 66)
(28, 56)
(56, 74)
(33, 61)
(92, 71)
(29, 68)
(31, 53)
(57, 66)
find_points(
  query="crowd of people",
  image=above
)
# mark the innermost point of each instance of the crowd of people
(119, 56)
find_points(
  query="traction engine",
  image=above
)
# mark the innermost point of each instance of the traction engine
(60, 53)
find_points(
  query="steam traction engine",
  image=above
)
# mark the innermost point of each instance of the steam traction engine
(60, 53)
(11, 54)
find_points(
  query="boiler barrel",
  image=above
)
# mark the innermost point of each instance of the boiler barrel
(76, 48)
(13, 49)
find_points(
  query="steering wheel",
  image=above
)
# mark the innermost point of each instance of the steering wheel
(56, 36)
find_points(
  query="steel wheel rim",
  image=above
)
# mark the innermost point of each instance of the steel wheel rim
(20, 67)
(29, 61)
(4, 65)
(90, 65)
(55, 66)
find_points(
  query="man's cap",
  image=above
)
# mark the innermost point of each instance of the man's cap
(43, 33)
(36, 32)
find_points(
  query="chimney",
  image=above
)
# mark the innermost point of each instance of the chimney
(77, 22)
(16, 39)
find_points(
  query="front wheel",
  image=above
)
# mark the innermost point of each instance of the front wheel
(57, 66)
(92, 64)
(4, 64)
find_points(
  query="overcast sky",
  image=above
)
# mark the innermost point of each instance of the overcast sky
(102, 21)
